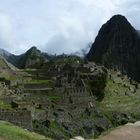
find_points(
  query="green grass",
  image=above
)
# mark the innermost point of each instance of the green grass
(9, 76)
(57, 129)
(119, 101)
(54, 97)
(11, 132)
(36, 81)
(4, 105)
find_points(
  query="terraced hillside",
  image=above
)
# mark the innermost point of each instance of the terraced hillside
(121, 102)
(61, 103)
(8, 71)
(64, 100)
(63, 110)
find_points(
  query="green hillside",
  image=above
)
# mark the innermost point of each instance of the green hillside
(121, 102)
(11, 132)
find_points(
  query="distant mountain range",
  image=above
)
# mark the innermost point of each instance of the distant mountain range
(4, 53)
(33, 58)
(117, 46)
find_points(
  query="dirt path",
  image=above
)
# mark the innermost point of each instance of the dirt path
(1, 138)
(127, 132)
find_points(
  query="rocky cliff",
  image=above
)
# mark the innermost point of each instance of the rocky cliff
(117, 46)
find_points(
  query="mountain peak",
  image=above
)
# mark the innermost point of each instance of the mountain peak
(119, 20)
(117, 46)
(117, 23)
(33, 49)
(119, 17)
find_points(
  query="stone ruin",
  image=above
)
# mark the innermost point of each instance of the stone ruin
(21, 118)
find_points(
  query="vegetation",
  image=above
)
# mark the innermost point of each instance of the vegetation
(89, 99)
(11, 132)
(37, 81)
(97, 86)
(67, 59)
(4, 105)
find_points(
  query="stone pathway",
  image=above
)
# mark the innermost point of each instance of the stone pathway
(2, 138)
(126, 132)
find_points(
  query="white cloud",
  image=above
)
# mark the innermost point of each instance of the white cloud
(58, 26)
(7, 34)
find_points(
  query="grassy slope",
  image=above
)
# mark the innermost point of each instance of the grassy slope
(115, 98)
(11, 132)
(8, 71)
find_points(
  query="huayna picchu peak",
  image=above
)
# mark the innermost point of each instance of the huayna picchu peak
(117, 46)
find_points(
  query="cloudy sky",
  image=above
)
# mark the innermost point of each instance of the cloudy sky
(58, 26)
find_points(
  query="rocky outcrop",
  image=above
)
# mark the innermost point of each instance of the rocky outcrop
(126, 132)
(117, 46)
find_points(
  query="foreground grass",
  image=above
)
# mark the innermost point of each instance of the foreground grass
(11, 132)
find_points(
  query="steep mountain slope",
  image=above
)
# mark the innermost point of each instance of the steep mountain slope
(138, 32)
(33, 58)
(8, 72)
(4, 53)
(6, 66)
(117, 46)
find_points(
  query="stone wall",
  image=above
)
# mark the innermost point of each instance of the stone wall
(35, 86)
(40, 115)
(5, 81)
(76, 91)
(21, 118)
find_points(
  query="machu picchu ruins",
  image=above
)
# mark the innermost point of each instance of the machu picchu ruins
(56, 83)
(67, 98)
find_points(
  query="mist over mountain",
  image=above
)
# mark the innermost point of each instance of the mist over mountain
(35, 58)
(4, 53)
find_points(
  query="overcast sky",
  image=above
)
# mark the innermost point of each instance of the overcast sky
(58, 26)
